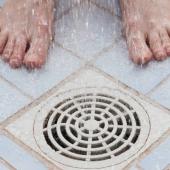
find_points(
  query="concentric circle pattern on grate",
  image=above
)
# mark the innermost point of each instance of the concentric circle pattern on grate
(91, 128)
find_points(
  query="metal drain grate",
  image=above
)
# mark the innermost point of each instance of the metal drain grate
(91, 125)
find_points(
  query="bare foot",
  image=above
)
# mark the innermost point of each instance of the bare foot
(26, 32)
(147, 29)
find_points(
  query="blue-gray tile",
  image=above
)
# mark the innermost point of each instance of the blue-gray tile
(117, 63)
(162, 94)
(159, 158)
(87, 30)
(64, 5)
(60, 64)
(112, 5)
(3, 167)
(2, 2)
(11, 100)
(17, 157)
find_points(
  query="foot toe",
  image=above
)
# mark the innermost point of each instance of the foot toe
(3, 40)
(156, 46)
(37, 54)
(16, 60)
(8, 50)
(138, 49)
(165, 41)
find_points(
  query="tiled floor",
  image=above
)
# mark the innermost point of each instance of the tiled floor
(85, 34)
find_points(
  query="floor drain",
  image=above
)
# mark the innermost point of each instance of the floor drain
(91, 128)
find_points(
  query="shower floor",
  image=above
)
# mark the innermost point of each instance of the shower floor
(91, 40)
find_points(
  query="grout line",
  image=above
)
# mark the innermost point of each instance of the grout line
(8, 165)
(138, 166)
(16, 88)
(167, 167)
(135, 92)
(70, 51)
(38, 100)
(30, 151)
(158, 85)
(103, 8)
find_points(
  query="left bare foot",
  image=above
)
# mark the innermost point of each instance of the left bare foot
(26, 31)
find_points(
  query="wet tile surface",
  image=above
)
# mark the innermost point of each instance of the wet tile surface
(87, 30)
(18, 158)
(11, 100)
(60, 64)
(117, 63)
(3, 167)
(159, 158)
(162, 94)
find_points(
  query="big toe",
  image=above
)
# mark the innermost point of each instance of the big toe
(16, 60)
(156, 46)
(138, 48)
(37, 54)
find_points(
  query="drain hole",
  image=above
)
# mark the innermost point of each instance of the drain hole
(79, 152)
(128, 120)
(112, 139)
(119, 108)
(98, 112)
(137, 119)
(55, 120)
(101, 152)
(106, 96)
(95, 139)
(100, 159)
(57, 138)
(102, 125)
(103, 101)
(119, 121)
(135, 138)
(45, 124)
(125, 104)
(84, 138)
(119, 131)
(47, 139)
(117, 145)
(67, 106)
(85, 106)
(122, 150)
(104, 135)
(72, 157)
(73, 132)
(64, 119)
(73, 111)
(100, 106)
(97, 118)
(96, 131)
(85, 100)
(97, 145)
(127, 134)
(73, 121)
(86, 131)
(82, 145)
(61, 103)
(112, 112)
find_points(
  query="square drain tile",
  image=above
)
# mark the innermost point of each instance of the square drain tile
(90, 122)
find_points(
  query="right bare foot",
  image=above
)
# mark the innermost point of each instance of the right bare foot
(26, 32)
(147, 29)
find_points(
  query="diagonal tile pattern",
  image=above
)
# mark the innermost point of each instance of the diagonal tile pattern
(87, 30)
(28, 126)
(84, 32)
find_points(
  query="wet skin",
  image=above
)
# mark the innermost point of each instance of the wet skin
(26, 32)
(147, 29)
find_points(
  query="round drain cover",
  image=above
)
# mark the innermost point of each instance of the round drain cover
(91, 128)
